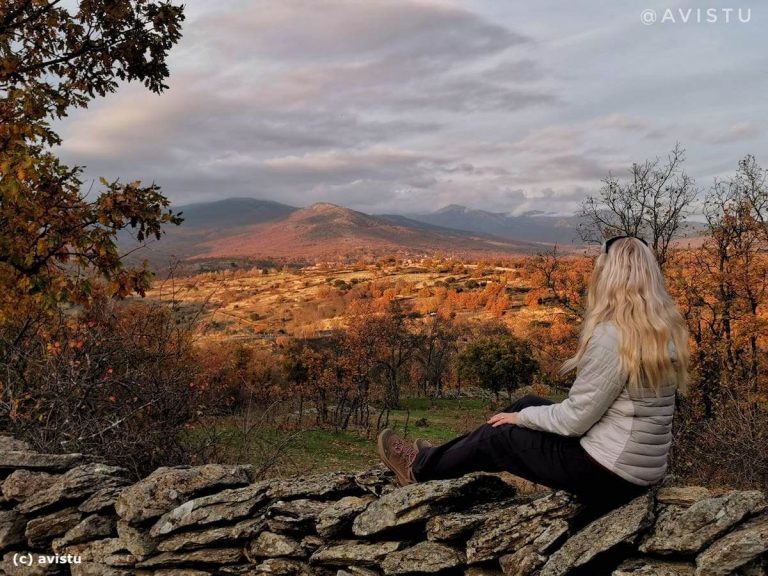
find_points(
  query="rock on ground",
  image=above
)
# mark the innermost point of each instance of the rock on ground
(423, 558)
(295, 516)
(12, 526)
(329, 485)
(653, 567)
(22, 484)
(166, 488)
(221, 535)
(227, 505)
(418, 502)
(354, 552)
(14, 460)
(336, 518)
(42, 530)
(538, 523)
(74, 485)
(735, 549)
(212, 556)
(620, 525)
(680, 530)
(94, 527)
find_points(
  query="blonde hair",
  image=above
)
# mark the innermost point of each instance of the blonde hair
(627, 287)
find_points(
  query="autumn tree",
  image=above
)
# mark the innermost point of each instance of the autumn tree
(58, 244)
(653, 203)
(393, 346)
(54, 240)
(436, 347)
(498, 363)
(722, 287)
(558, 280)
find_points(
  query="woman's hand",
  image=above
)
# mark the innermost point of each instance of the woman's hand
(503, 418)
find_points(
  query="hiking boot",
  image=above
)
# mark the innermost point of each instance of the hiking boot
(421, 443)
(398, 455)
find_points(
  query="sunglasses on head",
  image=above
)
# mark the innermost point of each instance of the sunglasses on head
(612, 240)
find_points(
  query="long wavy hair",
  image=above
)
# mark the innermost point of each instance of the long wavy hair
(627, 287)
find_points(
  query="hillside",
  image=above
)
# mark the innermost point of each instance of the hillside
(321, 231)
(327, 231)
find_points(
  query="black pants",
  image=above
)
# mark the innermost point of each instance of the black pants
(553, 460)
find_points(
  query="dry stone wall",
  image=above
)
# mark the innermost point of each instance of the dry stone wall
(64, 514)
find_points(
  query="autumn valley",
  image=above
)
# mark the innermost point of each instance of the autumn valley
(353, 229)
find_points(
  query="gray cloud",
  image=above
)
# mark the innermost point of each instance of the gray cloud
(408, 105)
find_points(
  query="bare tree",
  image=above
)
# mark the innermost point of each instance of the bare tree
(751, 184)
(653, 203)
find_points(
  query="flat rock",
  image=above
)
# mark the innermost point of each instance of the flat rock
(452, 525)
(212, 556)
(12, 526)
(522, 562)
(539, 523)
(22, 484)
(418, 502)
(76, 484)
(93, 527)
(619, 525)
(294, 516)
(423, 558)
(13, 460)
(653, 567)
(681, 530)
(166, 488)
(269, 545)
(101, 500)
(106, 552)
(354, 552)
(337, 518)
(682, 495)
(136, 540)
(376, 481)
(41, 531)
(332, 484)
(227, 505)
(226, 535)
(735, 549)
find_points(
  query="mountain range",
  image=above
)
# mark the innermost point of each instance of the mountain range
(253, 228)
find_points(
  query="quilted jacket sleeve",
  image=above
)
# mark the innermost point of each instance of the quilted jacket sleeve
(598, 383)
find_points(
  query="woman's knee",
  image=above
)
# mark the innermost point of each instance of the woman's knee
(526, 401)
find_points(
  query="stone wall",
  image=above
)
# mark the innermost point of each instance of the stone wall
(215, 519)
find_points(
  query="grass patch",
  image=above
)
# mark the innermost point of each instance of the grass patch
(314, 450)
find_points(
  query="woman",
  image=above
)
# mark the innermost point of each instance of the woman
(609, 440)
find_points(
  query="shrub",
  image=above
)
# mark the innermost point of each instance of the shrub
(117, 381)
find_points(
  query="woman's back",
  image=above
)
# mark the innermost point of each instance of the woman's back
(627, 433)
(633, 437)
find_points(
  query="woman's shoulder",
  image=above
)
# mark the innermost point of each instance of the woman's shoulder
(606, 330)
(604, 338)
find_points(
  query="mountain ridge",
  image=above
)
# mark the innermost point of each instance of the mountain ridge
(325, 230)
(247, 227)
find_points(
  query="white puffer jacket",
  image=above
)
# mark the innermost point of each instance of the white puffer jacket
(629, 434)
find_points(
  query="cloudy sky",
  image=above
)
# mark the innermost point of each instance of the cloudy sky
(410, 105)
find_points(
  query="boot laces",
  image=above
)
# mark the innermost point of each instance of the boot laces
(402, 448)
